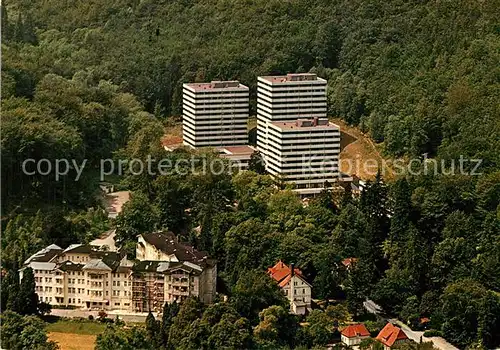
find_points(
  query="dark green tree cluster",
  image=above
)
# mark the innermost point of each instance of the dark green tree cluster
(80, 120)
(20, 297)
(421, 77)
(221, 326)
(437, 255)
(24, 332)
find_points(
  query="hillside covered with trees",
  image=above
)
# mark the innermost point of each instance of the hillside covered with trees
(100, 79)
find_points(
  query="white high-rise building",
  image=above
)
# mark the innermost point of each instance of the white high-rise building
(304, 152)
(287, 98)
(215, 114)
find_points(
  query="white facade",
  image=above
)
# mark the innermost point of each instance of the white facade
(352, 341)
(287, 98)
(182, 281)
(215, 114)
(298, 292)
(82, 276)
(304, 152)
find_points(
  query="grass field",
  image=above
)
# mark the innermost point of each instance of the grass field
(75, 327)
(75, 335)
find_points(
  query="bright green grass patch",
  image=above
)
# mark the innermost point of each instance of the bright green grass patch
(76, 327)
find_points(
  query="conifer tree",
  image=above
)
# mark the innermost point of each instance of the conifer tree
(5, 21)
(28, 299)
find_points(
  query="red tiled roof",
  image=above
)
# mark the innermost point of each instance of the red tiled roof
(349, 261)
(280, 271)
(279, 265)
(355, 330)
(285, 281)
(390, 334)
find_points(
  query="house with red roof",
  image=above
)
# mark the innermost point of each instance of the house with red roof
(391, 335)
(354, 334)
(294, 286)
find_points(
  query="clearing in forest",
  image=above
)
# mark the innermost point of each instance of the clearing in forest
(359, 153)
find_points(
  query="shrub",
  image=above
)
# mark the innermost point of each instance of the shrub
(433, 333)
(102, 315)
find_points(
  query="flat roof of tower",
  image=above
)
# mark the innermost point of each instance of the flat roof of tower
(306, 124)
(217, 85)
(292, 77)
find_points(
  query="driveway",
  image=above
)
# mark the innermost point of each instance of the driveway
(438, 342)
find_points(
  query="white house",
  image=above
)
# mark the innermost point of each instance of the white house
(294, 286)
(354, 334)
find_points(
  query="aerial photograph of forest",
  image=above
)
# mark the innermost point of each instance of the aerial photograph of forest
(250, 174)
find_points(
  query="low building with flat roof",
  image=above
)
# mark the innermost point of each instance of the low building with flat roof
(239, 156)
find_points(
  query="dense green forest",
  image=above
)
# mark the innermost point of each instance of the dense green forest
(100, 79)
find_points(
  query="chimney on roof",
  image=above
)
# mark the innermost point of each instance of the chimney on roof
(292, 269)
(218, 84)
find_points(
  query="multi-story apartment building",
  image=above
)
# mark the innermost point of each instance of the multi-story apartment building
(170, 270)
(287, 98)
(215, 114)
(304, 152)
(295, 287)
(88, 277)
(82, 276)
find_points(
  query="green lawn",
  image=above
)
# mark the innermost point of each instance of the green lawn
(84, 327)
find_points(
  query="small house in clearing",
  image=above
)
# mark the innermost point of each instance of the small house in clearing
(391, 335)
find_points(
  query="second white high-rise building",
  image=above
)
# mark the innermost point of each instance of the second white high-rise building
(215, 114)
(296, 140)
(287, 98)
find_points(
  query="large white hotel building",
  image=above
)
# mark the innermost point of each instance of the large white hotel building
(215, 114)
(293, 133)
(94, 277)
